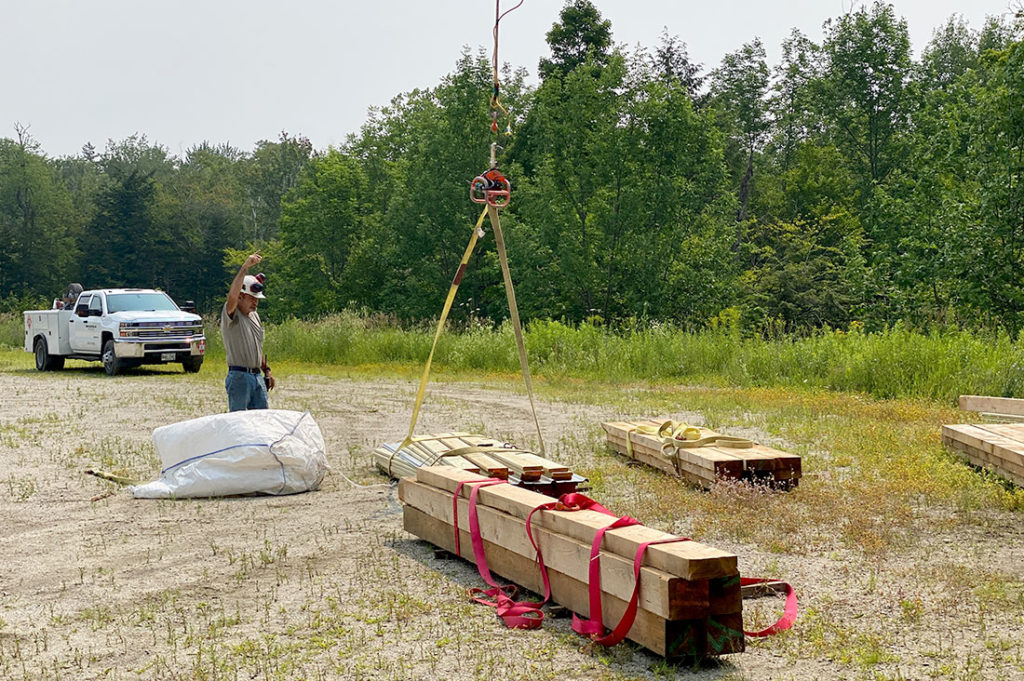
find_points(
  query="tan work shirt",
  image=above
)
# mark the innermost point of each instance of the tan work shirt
(243, 338)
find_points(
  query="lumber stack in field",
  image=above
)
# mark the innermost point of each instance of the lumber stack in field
(710, 457)
(479, 454)
(1002, 408)
(690, 604)
(998, 447)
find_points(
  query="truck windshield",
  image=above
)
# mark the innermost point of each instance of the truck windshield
(139, 302)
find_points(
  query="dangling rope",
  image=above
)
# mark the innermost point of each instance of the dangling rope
(496, 94)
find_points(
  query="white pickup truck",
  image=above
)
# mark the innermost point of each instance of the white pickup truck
(122, 328)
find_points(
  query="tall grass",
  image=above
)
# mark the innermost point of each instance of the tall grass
(897, 362)
(12, 330)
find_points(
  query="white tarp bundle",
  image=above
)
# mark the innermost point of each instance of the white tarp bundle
(261, 451)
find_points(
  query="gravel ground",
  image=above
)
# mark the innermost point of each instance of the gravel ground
(327, 585)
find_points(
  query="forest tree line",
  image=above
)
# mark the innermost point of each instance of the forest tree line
(848, 183)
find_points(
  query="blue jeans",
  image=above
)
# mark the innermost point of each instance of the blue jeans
(245, 391)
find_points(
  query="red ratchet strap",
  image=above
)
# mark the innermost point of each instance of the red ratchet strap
(788, 615)
(528, 615)
(524, 615)
(594, 627)
(567, 502)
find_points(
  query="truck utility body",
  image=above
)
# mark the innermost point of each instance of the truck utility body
(120, 327)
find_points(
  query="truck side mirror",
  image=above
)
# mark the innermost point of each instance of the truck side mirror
(82, 311)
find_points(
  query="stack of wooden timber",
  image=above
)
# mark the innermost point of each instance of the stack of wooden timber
(997, 447)
(478, 454)
(690, 604)
(716, 458)
(1001, 408)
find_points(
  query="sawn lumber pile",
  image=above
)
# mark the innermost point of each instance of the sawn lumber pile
(997, 447)
(1001, 408)
(689, 601)
(705, 456)
(478, 454)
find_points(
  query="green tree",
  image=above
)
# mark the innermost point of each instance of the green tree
(793, 100)
(37, 221)
(867, 64)
(739, 87)
(425, 148)
(324, 228)
(672, 62)
(203, 207)
(580, 35)
(624, 214)
(272, 171)
(804, 263)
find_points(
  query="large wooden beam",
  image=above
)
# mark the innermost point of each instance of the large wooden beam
(689, 560)
(992, 405)
(997, 447)
(661, 593)
(672, 639)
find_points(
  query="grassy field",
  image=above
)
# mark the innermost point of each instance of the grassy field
(897, 362)
(907, 560)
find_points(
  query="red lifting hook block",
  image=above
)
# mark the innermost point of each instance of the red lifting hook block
(492, 188)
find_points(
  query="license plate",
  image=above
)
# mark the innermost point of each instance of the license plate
(167, 356)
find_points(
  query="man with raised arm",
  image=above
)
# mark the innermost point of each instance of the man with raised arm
(249, 377)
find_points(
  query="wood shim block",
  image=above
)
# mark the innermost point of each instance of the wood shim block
(705, 465)
(689, 560)
(997, 447)
(992, 405)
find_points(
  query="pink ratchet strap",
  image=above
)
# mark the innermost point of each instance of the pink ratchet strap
(788, 614)
(528, 615)
(515, 615)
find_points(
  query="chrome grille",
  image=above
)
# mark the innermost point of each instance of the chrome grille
(161, 330)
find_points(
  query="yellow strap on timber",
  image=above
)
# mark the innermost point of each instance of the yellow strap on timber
(675, 435)
(492, 213)
(440, 327)
(513, 310)
(480, 449)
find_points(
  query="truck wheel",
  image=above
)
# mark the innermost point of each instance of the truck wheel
(44, 360)
(111, 363)
(192, 364)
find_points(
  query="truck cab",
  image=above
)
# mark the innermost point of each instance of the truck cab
(122, 328)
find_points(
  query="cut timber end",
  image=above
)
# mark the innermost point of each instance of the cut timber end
(705, 465)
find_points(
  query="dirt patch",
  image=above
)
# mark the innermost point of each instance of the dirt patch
(327, 585)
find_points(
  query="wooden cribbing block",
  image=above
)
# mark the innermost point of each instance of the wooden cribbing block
(663, 594)
(696, 473)
(672, 639)
(690, 560)
(547, 467)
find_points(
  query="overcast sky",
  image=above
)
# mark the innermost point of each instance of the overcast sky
(239, 71)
